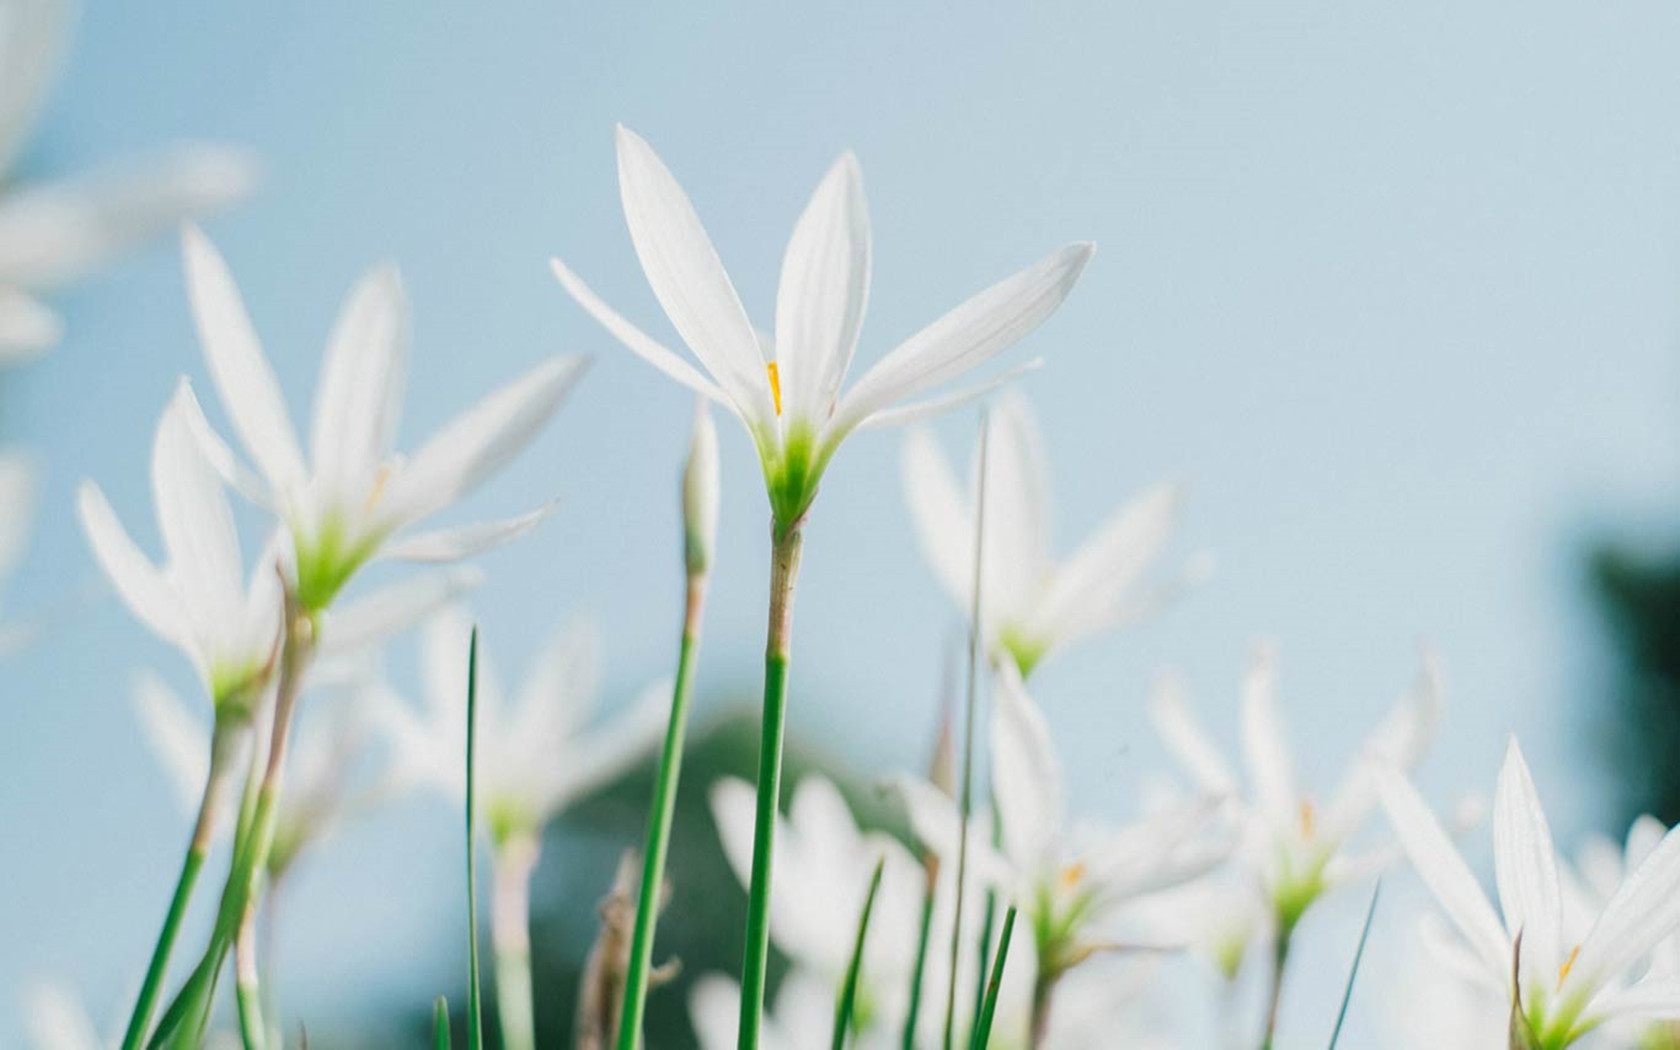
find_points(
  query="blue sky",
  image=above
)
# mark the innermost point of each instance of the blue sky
(1392, 286)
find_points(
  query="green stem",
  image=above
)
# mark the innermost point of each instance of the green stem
(247, 987)
(919, 971)
(784, 572)
(510, 935)
(988, 1006)
(475, 1003)
(1044, 986)
(659, 823)
(204, 829)
(1274, 997)
(440, 1024)
(848, 991)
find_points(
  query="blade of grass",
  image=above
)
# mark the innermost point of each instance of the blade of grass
(1353, 972)
(475, 1007)
(440, 1024)
(848, 991)
(974, 645)
(983, 1027)
(920, 970)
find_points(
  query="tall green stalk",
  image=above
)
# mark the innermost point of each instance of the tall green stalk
(198, 847)
(475, 1005)
(247, 988)
(659, 821)
(784, 573)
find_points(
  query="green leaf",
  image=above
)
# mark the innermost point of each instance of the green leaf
(475, 1006)
(1353, 972)
(983, 1026)
(848, 991)
(440, 1023)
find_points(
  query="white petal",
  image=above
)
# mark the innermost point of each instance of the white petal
(1088, 592)
(734, 809)
(916, 411)
(607, 751)
(198, 530)
(138, 582)
(33, 34)
(639, 342)
(934, 817)
(393, 609)
(241, 372)
(823, 293)
(179, 740)
(360, 395)
(465, 541)
(1017, 535)
(1444, 872)
(58, 233)
(1525, 864)
(940, 513)
(559, 694)
(714, 1009)
(1652, 999)
(963, 339)
(1265, 751)
(689, 280)
(217, 453)
(1644, 912)
(1185, 739)
(1398, 741)
(28, 327)
(478, 442)
(1026, 775)
(18, 484)
(56, 1020)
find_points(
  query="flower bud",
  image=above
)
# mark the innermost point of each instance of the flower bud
(700, 493)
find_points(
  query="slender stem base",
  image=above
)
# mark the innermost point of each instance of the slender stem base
(510, 935)
(1274, 998)
(659, 823)
(784, 572)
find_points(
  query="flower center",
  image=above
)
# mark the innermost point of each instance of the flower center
(1309, 818)
(775, 385)
(1073, 875)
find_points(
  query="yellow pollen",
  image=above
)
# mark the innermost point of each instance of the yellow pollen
(1568, 964)
(1072, 875)
(775, 385)
(379, 481)
(1308, 818)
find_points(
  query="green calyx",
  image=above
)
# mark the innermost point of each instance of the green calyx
(236, 689)
(1542, 1023)
(327, 560)
(508, 819)
(792, 473)
(1027, 652)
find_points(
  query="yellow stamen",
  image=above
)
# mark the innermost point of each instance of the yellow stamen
(775, 385)
(1072, 875)
(378, 489)
(1569, 964)
(1309, 818)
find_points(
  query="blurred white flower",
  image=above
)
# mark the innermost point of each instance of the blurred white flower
(18, 484)
(1562, 988)
(1293, 848)
(700, 493)
(535, 756)
(55, 234)
(199, 598)
(1434, 1003)
(801, 1019)
(346, 506)
(787, 393)
(1033, 605)
(56, 1019)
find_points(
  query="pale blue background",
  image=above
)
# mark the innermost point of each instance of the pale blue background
(1393, 285)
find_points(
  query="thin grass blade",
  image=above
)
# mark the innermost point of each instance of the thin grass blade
(440, 1024)
(1353, 972)
(988, 1009)
(475, 1006)
(848, 992)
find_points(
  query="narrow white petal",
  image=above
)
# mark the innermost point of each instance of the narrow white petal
(477, 443)
(608, 750)
(940, 514)
(934, 818)
(965, 338)
(238, 367)
(58, 233)
(1185, 739)
(1017, 556)
(18, 485)
(179, 740)
(916, 411)
(733, 810)
(393, 609)
(1652, 999)
(28, 327)
(1643, 913)
(639, 342)
(359, 399)
(1446, 875)
(1525, 865)
(138, 582)
(686, 275)
(1399, 741)
(198, 530)
(33, 34)
(1026, 774)
(714, 1009)
(465, 541)
(1265, 751)
(1089, 592)
(217, 453)
(823, 293)
(560, 693)
(57, 1020)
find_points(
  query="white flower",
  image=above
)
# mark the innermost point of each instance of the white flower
(535, 756)
(1033, 606)
(56, 1019)
(1068, 879)
(788, 394)
(198, 599)
(52, 235)
(347, 504)
(801, 1019)
(1295, 848)
(1563, 988)
(1434, 1004)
